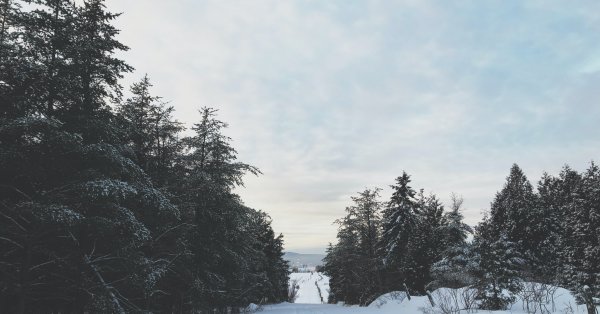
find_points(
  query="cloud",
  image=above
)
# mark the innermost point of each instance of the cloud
(330, 97)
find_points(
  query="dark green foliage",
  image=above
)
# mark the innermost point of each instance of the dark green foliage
(352, 264)
(457, 268)
(427, 242)
(497, 270)
(270, 270)
(454, 269)
(104, 211)
(581, 240)
(399, 221)
(512, 206)
(555, 194)
(153, 134)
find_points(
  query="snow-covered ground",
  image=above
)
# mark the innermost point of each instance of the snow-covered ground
(559, 301)
(309, 285)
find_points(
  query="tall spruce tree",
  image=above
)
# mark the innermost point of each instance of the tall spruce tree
(352, 263)
(342, 267)
(555, 196)
(427, 243)
(513, 211)
(152, 131)
(580, 242)
(455, 231)
(511, 205)
(209, 171)
(37, 63)
(269, 273)
(72, 199)
(454, 269)
(399, 222)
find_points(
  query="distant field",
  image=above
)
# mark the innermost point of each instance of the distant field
(304, 260)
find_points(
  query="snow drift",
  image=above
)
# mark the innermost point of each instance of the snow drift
(534, 298)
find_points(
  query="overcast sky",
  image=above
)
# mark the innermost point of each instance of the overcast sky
(328, 97)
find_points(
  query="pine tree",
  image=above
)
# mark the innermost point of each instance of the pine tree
(37, 63)
(498, 264)
(426, 244)
(153, 132)
(455, 231)
(86, 218)
(365, 214)
(209, 170)
(453, 270)
(399, 221)
(269, 271)
(458, 268)
(341, 265)
(555, 196)
(352, 263)
(511, 206)
(581, 245)
(72, 199)
(514, 210)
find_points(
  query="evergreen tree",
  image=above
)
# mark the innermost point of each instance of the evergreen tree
(352, 264)
(511, 206)
(35, 49)
(513, 212)
(86, 218)
(208, 172)
(82, 202)
(455, 231)
(457, 269)
(426, 243)
(152, 131)
(72, 200)
(341, 265)
(270, 270)
(580, 243)
(555, 196)
(453, 270)
(399, 221)
(498, 263)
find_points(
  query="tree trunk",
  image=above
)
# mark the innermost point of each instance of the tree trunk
(588, 298)
(24, 278)
(106, 286)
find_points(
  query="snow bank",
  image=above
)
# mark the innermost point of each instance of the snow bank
(535, 298)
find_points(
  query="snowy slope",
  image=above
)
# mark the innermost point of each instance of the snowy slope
(560, 302)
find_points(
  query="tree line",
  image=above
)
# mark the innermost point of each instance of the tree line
(105, 205)
(413, 243)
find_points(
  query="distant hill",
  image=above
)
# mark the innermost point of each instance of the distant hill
(304, 260)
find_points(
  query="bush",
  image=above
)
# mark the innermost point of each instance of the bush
(293, 290)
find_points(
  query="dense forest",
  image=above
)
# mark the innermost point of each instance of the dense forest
(412, 243)
(106, 204)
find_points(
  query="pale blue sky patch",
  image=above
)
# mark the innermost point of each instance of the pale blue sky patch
(330, 97)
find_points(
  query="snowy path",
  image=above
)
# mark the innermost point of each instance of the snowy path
(314, 309)
(386, 305)
(310, 284)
